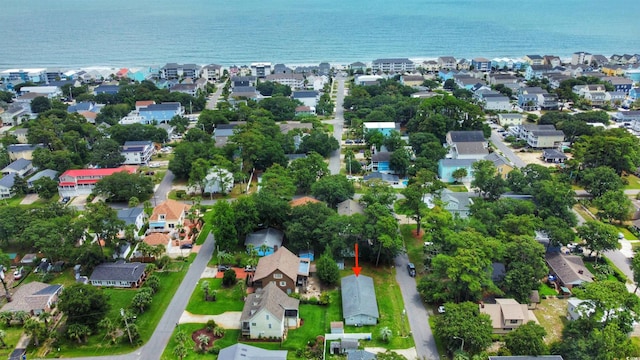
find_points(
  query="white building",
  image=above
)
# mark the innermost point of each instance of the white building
(218, 180)
(137, 152)
(48, 91)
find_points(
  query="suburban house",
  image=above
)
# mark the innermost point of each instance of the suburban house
(388, 178)
(365, 80)
(51, 174)
(457, 203)
(534, 59)
(132, 217)
(6, 185)
(244, 81)
(380, 161)
(540, 136)
(82, 181)
(507, 314)
(496, 102)
(306, 97)
(359, 304)
(624, 116)
(304, 200)
(411, 80)
(34, 75)
(510, 119)
(160, 239)
(222, 132)
(168, 216)
(269, 313)
(502, 79)
(177, 71)
(503, 166)
(20, 167)
(15, 115)
(284, 269)
(358, 66)
(137, 152)
(620, 83)
(265, 241)
(160, 112)
(22, 151)
(120, 274)
(247, 352)
(34, 298)
(446, 167)
(465, 145)
(106, 89)
(350, 207)
(481, 64)
(568, 269)
(186, 88)
(384, 127)
(577, 308)
(528, 98)
(553, 156)
(400, 65)
(248, 92)
(447, 62)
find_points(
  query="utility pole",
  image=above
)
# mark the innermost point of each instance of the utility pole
(126, 324)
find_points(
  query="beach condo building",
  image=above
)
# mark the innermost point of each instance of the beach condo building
(399, 65)
(261, 69)
(179, 71)
(26, 75)
(481, 64)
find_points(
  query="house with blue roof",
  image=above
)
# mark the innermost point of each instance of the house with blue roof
(51, 174)
(20, 167)
(634, 93)
(160, 112)
(6, 183)
(106, 89)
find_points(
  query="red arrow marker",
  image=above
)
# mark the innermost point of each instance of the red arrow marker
(356, 269)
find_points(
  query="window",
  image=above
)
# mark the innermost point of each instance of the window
(267, 316)
(283, 283)
(513, 321)
(253, 324)
(171, 226)
(277, 276)
(161, 217)
(269, 326)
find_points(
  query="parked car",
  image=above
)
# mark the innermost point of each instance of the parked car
(441, 309)
(412, 269)
(65, 199)
(223, 267)
(348, 141)
(17, 275)
(249, 268)
(186, 246)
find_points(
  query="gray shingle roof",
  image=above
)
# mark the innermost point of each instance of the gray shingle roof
(570, 269)
(23, 147)
(248, 352)
(270, 237)
(358, 296)
(466, 136)
(130, 272)
(7, 181)
(129, 215)
(51, 174)
(18, 165)
(271, 298)
(381, 176)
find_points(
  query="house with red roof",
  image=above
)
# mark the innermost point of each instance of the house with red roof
(82, 181)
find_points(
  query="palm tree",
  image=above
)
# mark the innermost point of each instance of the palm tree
(180, 351)
(34, 328)
(111, 329)
(6, 316)
(205, 288)
(21, 316)
(181, 337)
(77, 332)
(385, 334)
(203, 339)
(45, 316)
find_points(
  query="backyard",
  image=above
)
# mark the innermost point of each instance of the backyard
(552, 315)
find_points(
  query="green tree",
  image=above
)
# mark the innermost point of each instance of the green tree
(35, 329)
(229, 278)
(83, 304)
(399, 161)
(306, 171)
(20, 186)
(180, 351)
(613, 205)
(304, 225)
(459, 174)
(45, 187)
(464, 321)
(78, 332)
(393, 141)
(488, 183)
(198, 174)
(635, 267)
(104, 221)
(40, 104)
(598, 237)
(527, 339)
(122, 186)
(105, 153)
(320, 142)
(246, 215)
(223, 228)
(386, 334)
(328, 271)
(283, 108)
(378, 192)
(525, 266)
(615, 148)
(610, 303)
(142, 299)
(333, 189)
(599, 180)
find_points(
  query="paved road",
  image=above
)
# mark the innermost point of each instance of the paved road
(338, 124)
(496, 139)
(162, 192)
(212, 101)
(416, 312)
(155, 346)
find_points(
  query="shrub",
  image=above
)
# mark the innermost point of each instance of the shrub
(325, 299)
(181, 194)
(313, 300)
(229, 278)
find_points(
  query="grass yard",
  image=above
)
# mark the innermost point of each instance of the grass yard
(11, 340)
(546, 290)
(439, 344)
(627, 234)
(457, 188)
(552, 315)
(146, 322)
(230, 337)
(227, 299)
(390, 307)
(580, 210)
(414, 246)
(633, 182)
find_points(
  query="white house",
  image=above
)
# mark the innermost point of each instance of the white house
(48, 91)
(218, 180)
(307, 97)
(137, 152)
(6, 183)
(268, 312)
(20, 167)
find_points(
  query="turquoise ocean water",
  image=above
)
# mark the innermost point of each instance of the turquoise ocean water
(70, 33)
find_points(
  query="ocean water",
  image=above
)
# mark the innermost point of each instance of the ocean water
(73, 33)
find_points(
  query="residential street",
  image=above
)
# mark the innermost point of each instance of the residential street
(154, 348)
(416, 312)
(212, 100)
(338, 123)
(496, 139)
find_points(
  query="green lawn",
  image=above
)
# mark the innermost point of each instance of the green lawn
(634, 182)
(545, 290)
(230, 338)
(627, 234)
(457, 188)
(11, 340)
(414, 246)
(226, 299)
(439, 344)
(146, 322)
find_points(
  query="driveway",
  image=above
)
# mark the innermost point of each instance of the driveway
(154, 348)
(416, 312)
